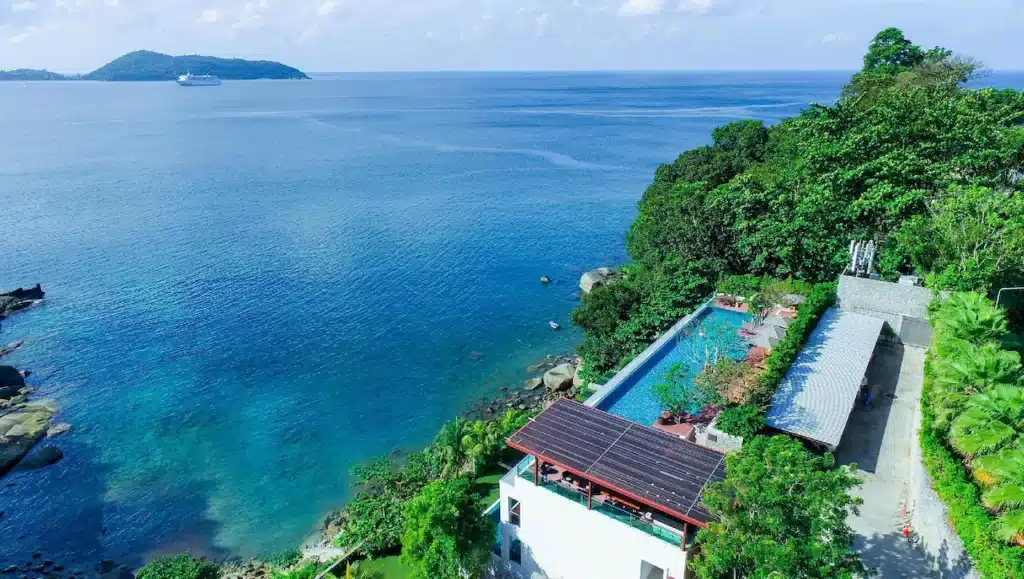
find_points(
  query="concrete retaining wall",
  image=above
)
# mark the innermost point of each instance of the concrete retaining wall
(895, 303)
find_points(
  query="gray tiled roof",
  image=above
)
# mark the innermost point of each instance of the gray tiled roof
(815, 398)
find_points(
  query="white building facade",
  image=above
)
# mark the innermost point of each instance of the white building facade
(551, 535)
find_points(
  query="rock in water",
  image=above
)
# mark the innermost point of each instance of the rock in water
(19, 299)
(596, 278)
(9, 376)
(545, 279)
(45, 457)
(57, 430)
(559, 378)
(20, 431)
(534, 383)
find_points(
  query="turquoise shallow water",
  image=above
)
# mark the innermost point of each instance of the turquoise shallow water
(253, 287)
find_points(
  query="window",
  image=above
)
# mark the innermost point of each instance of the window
(712, 438)
(515, 551)
(513, 511)
(648, 571)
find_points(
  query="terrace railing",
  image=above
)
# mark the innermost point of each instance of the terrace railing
(525, 471)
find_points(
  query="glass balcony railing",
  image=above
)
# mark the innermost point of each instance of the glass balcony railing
(525, 471)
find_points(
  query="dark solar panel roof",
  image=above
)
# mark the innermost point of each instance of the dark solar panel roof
(652, 466)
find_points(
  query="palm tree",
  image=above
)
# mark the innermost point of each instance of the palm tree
(972, 317)
(991, 420)
(482, 440)
(1004, 472)
(972, 369)
(450, 447)
(512, 421)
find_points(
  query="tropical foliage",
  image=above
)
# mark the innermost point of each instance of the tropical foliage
(908, 154)
(740, 420)
(444, 535)
(976, 403)
(781, 513)
(375, 516)
(181, 566)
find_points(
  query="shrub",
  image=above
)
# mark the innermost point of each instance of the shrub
(972, 521)
(739, 422)
(743, 420)
(181, 566)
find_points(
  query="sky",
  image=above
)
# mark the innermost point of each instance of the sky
(368, 35)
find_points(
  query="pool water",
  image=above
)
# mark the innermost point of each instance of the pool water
(714, 330)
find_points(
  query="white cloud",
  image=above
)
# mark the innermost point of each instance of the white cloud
(836, 38)
(17, 38)
(112, 3)
(208, 16)
(327, 7)
(541, 24)
(696, 6)
(26, 6)
(641, 7)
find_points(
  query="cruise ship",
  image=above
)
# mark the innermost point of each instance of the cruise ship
(190, 79)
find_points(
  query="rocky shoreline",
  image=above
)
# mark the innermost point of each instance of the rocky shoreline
(24, 423)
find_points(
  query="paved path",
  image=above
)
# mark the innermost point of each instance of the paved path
(878, 440)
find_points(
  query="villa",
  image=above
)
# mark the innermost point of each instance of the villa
(612, 488)
(603, 491)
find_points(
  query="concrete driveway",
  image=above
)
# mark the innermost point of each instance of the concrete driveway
(878, 440)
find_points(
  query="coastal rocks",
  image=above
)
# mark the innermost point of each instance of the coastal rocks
(533, 383)
(560, 378)
(44, 457)
(596, 278)
(57, 430)
(11, 348)
(10, 377)
(19, 299)
(20, 430)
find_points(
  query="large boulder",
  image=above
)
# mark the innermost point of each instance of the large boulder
(19, 299)
(42, 458)
(534, 383)
(21, 430)
(9, 376)
(559, 378)
(596, 278)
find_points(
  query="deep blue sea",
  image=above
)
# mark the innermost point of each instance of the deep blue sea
(252, 288)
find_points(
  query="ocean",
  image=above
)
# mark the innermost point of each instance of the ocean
(253, 288)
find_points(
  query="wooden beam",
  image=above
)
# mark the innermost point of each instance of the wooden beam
(536, 470)
(686, 533)
(590, 495)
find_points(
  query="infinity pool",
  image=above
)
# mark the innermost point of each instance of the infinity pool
(714, 328)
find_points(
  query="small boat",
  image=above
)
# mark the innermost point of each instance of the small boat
(554, 325)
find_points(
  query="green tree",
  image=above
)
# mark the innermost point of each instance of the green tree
(990, 420)
(181, 566)
(781, 513)
(450, 447)
(891, 53)
(445, 536)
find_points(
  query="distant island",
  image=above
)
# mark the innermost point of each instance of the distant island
(143, 65)
(33, 74)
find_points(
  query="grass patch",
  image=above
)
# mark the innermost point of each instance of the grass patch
(487, 487)
(386, 568)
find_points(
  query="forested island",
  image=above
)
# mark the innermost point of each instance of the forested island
(145, 65)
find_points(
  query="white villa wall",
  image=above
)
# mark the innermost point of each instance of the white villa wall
(561, 539)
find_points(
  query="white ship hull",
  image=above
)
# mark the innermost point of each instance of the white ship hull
(192, 80)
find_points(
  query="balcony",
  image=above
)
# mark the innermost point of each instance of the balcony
(591, 496)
